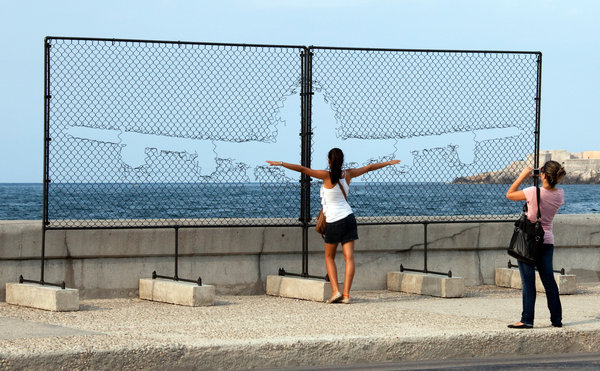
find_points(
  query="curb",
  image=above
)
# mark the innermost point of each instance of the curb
(318, 352)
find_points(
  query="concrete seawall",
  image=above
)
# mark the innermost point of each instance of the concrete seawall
(109, 263)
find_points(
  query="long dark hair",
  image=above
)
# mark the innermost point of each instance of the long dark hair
(554, 172)
(336, 159)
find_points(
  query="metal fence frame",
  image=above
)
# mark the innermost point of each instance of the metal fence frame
(426, 222)
(305, 219)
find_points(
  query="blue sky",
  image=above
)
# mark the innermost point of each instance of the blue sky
(566, 32)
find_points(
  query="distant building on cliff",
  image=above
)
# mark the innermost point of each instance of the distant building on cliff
(560, 155)
(581, 167)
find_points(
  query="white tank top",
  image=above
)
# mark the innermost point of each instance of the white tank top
(335, 206)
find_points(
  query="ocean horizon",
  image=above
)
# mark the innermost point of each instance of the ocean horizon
(24, 201)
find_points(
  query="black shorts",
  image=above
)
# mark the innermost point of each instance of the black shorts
(341, 231)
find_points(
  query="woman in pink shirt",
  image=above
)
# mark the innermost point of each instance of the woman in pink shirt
(551, 199)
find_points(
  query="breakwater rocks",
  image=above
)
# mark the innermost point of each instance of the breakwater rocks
(504, 176)
(586, 177)
(581, 169)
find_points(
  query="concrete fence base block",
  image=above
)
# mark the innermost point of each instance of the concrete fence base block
(507, 277)
(567, 283)
(299, 288)
(177, 292)
(426, 284)
(42, 297)
(504, 277)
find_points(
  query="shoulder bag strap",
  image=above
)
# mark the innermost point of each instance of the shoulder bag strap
(343, 192)
(342, 187)
(537, 195)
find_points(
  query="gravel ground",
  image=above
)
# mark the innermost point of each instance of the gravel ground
(378, 325)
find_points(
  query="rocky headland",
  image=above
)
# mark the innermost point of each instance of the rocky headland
(582, 168)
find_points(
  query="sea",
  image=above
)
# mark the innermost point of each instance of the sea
(24, 201)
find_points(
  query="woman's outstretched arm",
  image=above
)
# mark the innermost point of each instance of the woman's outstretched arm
(319, 174)
(513, 192)
(353, 173)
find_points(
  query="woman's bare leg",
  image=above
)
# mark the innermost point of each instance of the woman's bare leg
(348, 249)
(330, 250)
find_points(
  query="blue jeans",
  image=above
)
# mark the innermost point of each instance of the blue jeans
(544, 266)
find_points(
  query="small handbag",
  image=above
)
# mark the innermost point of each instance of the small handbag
(528, 237)
(321, 222)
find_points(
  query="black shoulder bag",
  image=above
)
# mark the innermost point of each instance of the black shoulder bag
(528, 237)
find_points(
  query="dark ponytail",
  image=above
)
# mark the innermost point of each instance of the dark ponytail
(336, 159)
(554, 172)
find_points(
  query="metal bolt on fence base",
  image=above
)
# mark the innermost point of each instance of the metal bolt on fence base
(282, 272)
(198, 281)
(561, 271)
(426, 271)
(62, 285)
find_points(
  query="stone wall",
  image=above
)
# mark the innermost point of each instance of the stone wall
(109, 263)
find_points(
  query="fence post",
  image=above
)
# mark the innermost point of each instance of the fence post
(46, 175)
(306, 144)
(306, 137)
(538, 103)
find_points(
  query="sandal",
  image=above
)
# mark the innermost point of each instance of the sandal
(334, 298)
(520, 325)
(346, 299)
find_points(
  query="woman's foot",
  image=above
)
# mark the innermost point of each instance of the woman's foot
(520, 325)
(346, 299)
(334, 298)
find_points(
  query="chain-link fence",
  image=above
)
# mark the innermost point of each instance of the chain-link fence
(463, 123)
(150, 134)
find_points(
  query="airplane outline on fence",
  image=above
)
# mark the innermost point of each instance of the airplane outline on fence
(326, 128)
(207, 152)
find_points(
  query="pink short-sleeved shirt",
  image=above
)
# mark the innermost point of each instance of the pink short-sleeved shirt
(551, 201)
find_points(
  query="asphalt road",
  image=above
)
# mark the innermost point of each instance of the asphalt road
(574, 361)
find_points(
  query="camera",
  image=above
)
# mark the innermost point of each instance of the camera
(536, 172)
